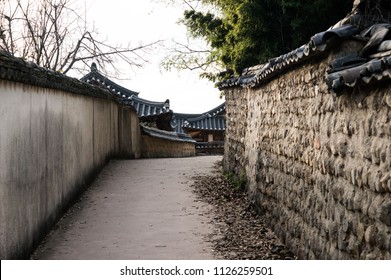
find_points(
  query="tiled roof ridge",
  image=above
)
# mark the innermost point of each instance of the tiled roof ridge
(204, 116)
(99, 78)
(215, 111)
(190, 120)
(211, 112)
(168, 135)
(210, 120)
(165, 103)
(26, 72)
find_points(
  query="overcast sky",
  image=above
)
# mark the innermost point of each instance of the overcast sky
(147, 21)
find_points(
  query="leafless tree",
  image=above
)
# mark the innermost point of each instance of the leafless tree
(55, 35)
(192, 56)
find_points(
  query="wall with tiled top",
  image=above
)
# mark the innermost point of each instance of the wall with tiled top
(318, 166)
(54, 138)
(153, 147)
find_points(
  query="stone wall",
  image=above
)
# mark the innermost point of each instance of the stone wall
(153, 147)
(317, 165)
(53, 140)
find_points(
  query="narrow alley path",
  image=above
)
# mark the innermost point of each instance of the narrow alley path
(136, 209)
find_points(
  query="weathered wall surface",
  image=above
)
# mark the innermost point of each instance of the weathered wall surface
(52, 142)
(129, 139)
(153, 147)
(318, 166)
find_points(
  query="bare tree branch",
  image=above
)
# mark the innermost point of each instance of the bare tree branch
(193, 55)
(185, 56)
(55, 35)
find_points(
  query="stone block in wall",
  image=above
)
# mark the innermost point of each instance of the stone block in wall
(383, 212)
(370, 235)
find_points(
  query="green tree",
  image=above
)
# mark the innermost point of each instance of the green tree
(241, 33)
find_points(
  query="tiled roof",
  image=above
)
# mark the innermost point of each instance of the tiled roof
(167, 135)
(179, 120)
(212, 120)
(206, 122)
(95, 77)
(216, 111)
(144, 108)
(372, 64)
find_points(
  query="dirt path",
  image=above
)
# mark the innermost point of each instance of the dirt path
(137, 209)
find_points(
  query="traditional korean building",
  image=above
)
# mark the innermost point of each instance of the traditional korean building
(157, 133)
(207, 129)
(158, 121)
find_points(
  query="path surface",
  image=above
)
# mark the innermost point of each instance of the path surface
(136, 209)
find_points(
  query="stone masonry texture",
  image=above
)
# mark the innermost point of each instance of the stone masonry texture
(318, 165)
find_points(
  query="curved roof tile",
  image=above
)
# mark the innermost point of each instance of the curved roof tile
(374, 70)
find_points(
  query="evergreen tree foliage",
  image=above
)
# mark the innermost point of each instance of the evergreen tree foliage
(243, 33)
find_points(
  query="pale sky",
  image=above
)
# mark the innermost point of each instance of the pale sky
(147, 21)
